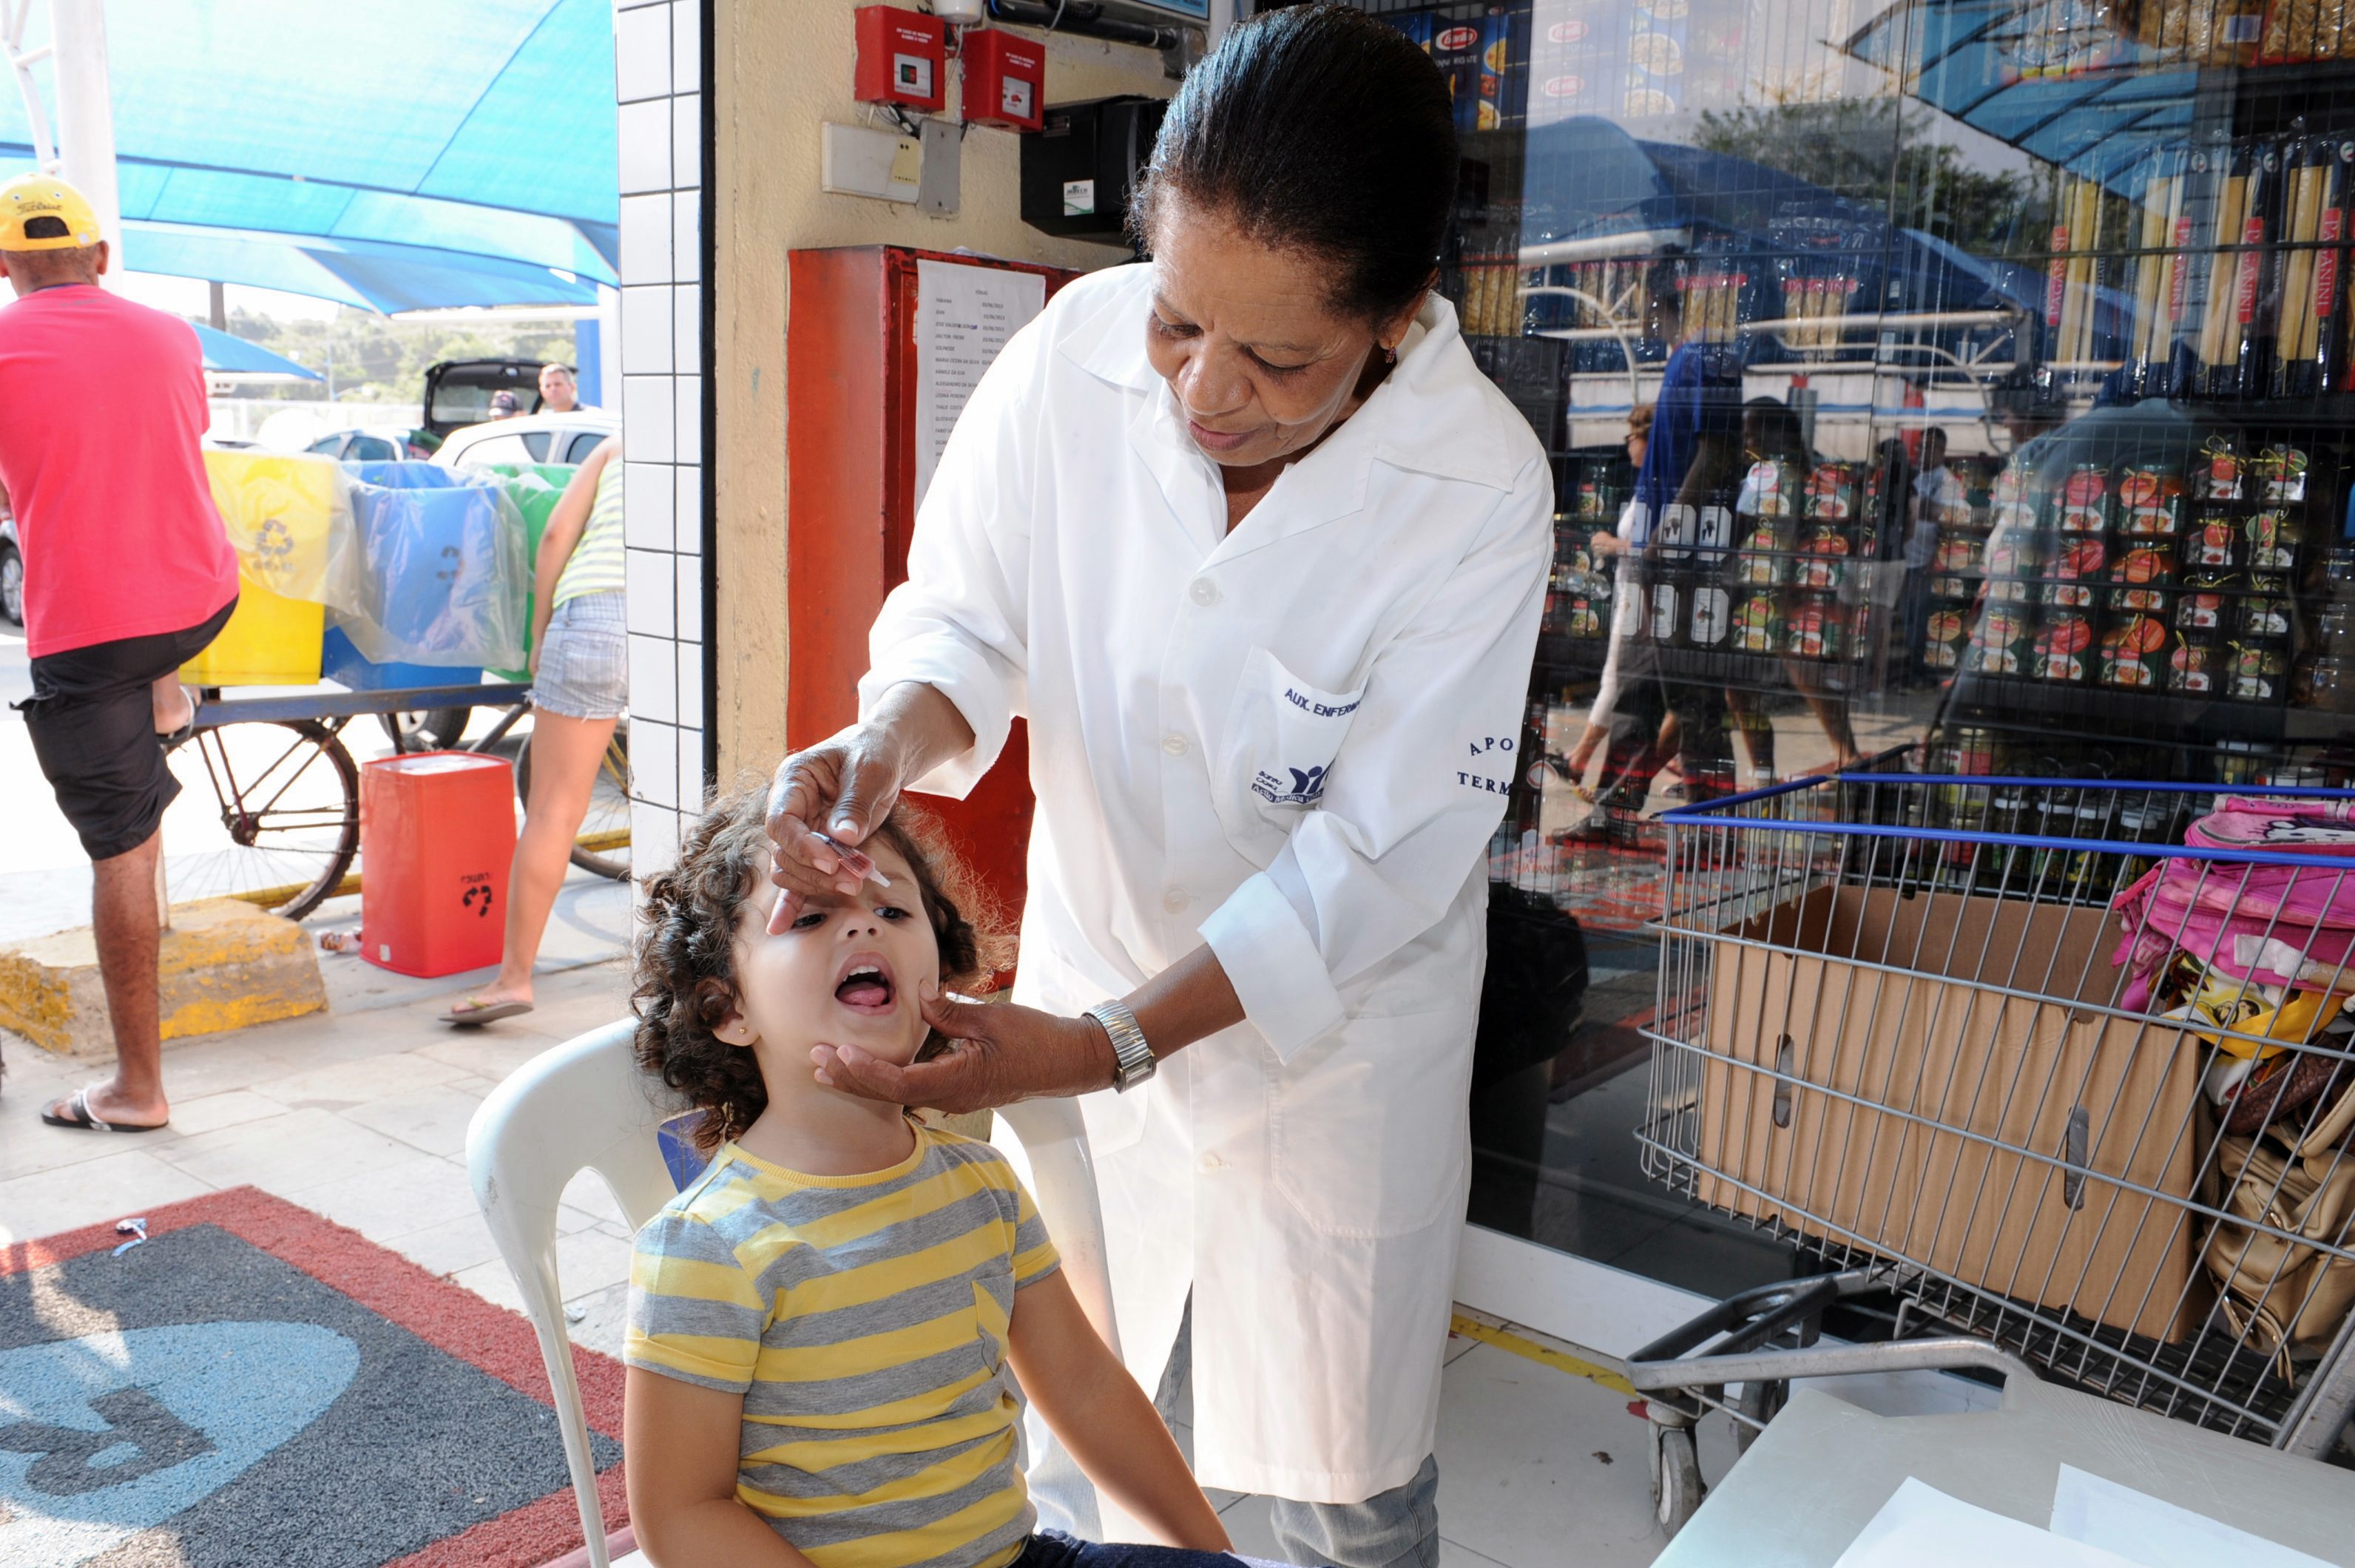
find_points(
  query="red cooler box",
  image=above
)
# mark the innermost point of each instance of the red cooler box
(437, 831)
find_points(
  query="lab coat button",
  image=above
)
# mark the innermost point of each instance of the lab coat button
(1174, 743)
(1211, 1162)
(1175, 900)
(1205, 592)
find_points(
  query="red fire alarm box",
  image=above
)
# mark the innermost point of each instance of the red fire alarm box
(1005, 79)
(901, 59)
(437, 833)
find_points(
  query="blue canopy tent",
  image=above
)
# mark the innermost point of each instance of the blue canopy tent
(1981, 61)
(227, 356)
(451, 153)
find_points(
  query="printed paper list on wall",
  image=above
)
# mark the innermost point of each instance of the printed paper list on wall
(963, 316)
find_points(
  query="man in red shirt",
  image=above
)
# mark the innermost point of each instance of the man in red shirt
(128, 575)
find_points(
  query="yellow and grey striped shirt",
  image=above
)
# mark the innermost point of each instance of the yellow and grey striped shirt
(864, 1319)
(596, 564)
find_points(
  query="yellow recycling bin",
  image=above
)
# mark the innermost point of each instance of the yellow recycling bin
(279, 510)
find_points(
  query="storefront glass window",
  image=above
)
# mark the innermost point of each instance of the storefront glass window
(1949, 386)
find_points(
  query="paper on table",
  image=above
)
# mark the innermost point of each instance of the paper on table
(1921, 1526)
(2157, 1533)
(963, 316)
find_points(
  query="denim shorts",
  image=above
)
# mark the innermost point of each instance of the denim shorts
(584, 664)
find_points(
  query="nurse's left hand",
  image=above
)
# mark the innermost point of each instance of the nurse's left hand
(1001, 1053)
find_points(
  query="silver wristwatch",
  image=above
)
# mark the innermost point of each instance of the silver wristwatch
(1133, 1061)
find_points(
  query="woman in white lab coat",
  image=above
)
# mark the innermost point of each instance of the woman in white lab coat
(1260, 554)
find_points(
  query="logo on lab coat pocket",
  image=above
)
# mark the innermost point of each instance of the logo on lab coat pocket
(1304, 788)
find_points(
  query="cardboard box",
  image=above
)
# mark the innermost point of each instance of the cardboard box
(1919, 1079)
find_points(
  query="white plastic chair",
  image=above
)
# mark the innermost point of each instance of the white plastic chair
(584, 1105)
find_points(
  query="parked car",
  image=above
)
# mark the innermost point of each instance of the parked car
(528, 438)
(12, 574)
(458, 393)
(373, 444)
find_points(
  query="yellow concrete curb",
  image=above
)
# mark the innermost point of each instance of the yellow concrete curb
(1528, 1349)
(223, 965)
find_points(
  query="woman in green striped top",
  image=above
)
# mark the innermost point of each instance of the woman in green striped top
(579, 688)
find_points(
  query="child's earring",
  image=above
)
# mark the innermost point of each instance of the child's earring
(733, 1030)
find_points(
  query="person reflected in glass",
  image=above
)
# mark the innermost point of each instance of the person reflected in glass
(1613, 546)
(1691, 462)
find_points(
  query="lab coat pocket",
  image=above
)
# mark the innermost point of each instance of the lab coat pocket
(1282, 734)
(1370, 1135)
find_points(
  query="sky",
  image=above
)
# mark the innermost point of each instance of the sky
(193, 297)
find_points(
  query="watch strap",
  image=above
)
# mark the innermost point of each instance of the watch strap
(1133, 1061)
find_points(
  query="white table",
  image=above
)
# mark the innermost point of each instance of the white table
(1823, 1468)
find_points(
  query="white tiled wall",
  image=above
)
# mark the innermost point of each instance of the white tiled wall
(658, 71)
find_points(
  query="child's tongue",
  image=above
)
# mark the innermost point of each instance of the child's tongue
(864, 991)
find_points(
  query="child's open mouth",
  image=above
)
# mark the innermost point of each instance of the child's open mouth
(865, 985)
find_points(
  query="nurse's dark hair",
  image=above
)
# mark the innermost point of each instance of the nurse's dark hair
(685, 984)
(1315, 128)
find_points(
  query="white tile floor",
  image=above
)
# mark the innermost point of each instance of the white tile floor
(360, 1116)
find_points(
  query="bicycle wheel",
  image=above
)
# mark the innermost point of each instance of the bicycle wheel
(604, 845)
(279, 821)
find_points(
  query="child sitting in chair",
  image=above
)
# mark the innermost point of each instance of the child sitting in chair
(822, 1324)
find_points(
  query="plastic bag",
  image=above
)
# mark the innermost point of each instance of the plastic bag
(432, 569)
(535, 488)
(284, 514)
(2269, 924)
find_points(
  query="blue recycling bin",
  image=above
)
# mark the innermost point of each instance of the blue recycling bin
(430, 537)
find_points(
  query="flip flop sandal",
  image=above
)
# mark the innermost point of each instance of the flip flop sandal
(468, 1016)
(81, 1118)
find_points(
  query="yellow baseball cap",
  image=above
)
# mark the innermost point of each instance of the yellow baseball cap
(28, 197)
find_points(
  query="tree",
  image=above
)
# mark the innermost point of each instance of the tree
(377, 360)
(1871, 150)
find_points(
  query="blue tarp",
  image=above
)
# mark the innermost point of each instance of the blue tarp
(441, 151)
(232, 356)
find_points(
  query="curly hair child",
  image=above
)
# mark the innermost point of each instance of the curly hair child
(824, 1325)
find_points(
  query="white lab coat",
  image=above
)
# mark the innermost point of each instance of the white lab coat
(1293, 742)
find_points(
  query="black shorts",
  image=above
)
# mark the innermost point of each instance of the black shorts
(93, 719)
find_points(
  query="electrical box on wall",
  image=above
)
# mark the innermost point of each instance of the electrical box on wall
(1080, 169)
(1005, 79)
(903, 59)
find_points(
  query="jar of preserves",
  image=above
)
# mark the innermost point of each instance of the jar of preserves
(1816, 628)
(2201, 607)
(1945, 632)
(2079, 562)
(2195, 664)
(2273, 539)
(2085, 500)
(2213, 541)
(2264, 611)
(1835, 491)
(2140, 574)
(1757, 624)
(1823, 560)
(2150, 501)
(1764, 558)
(2222, 470)
(2259, 670)
(2280, 472)
(2004, 641)
(2064, 647)
(2134, 653)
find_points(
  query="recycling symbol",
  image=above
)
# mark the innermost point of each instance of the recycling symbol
(480, 890)
(273, 550)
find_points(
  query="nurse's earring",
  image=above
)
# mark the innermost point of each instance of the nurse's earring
(734, 1031)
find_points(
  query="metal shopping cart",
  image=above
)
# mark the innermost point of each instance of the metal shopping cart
(2076, 1095)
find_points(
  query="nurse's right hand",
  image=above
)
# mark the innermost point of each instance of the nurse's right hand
(839, 788)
